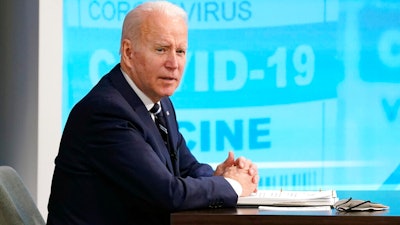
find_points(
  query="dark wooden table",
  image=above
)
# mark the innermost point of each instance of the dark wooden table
(247, 216)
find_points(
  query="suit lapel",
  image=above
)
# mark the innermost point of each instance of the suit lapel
(169, 115)
(139, 108)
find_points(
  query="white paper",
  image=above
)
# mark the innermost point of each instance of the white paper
(290, 198)
(302, 208)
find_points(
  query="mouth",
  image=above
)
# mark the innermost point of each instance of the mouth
(169, 79)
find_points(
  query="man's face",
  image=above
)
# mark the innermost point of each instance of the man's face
(158, 60)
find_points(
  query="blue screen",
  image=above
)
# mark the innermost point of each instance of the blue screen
(308, 90)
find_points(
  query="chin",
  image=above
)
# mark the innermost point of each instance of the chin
(169, 91)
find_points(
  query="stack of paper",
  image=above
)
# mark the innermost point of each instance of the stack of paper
(290, 198)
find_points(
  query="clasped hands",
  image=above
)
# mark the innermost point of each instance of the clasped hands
(241, 170)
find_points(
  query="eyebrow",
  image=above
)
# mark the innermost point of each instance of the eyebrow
(168, 45)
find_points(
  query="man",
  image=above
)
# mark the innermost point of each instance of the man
(113, 165)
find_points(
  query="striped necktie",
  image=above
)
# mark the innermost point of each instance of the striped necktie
(162, 128)
(160, 122)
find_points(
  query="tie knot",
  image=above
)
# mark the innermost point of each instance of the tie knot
(156, 109)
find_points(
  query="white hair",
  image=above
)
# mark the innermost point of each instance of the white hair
(131, 28)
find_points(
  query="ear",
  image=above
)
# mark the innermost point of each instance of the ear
(126, 51)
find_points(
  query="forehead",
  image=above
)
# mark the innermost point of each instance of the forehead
(162, 27)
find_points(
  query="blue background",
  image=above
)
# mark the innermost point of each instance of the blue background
(310, 91)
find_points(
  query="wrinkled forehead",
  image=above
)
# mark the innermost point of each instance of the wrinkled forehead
(158, 25)
(159, 20)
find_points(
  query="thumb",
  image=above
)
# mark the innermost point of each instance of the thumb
(221, 168)
(230, 160)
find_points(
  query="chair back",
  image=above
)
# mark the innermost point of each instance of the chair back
(16, 203)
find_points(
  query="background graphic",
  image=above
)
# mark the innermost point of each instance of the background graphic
(310, 91)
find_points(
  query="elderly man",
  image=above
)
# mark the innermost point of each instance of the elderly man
(122, 159)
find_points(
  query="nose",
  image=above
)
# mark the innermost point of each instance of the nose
(172, 60)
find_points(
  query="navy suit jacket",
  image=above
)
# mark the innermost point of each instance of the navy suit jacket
(113, 167)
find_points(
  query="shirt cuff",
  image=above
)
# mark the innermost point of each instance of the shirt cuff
(235, 185)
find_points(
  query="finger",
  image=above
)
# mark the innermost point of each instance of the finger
(253, 170)
(231, 155)
(255, 190)
(230, 160)
(256, 179)
(241, 162)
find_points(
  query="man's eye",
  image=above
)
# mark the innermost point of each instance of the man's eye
(160, 50)
(181, 52)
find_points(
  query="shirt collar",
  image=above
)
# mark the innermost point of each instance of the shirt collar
(146, 100)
